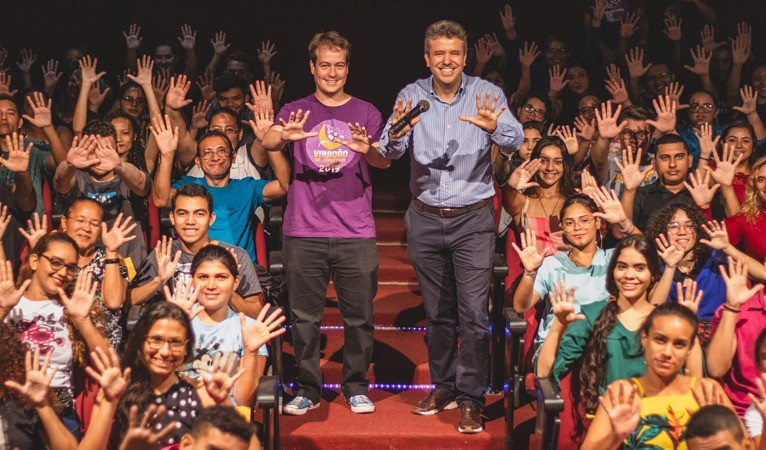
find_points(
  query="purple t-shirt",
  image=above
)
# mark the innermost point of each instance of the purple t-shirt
(330, 192)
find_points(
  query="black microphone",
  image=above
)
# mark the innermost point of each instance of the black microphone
(419, 109)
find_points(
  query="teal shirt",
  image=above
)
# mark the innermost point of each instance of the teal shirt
(37, 170)
(625, 356)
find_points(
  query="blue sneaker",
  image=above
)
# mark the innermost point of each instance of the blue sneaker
(361, 404)
(299, 406)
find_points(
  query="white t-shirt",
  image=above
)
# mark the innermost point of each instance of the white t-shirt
(41, 325)
(753, 421)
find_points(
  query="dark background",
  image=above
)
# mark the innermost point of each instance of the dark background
(387, 36)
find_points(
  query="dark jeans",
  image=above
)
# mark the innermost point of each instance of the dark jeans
(353, 264)
(452, 258)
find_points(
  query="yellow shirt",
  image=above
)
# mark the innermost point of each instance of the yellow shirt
(663, 420)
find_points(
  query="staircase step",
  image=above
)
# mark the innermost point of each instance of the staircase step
(389, 226)
(392, 199)
(395, 305)
(398, 357)
(395, 264)
(392, 426)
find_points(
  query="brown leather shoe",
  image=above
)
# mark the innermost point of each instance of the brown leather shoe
(436, 400)
(470, 419)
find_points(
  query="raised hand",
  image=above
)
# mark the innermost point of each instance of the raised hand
(630, 169)
(263, 116)
(188, 37)
(176, 95)
(688, 295)
(707, 35)
(494, 44)
(666, 114)
(41, 111)
(220, 381)
(508, 21)
(607, 122)
(79, 304)
(674, 90)
(143, 77)
(119, 234)
(558, 80)
(528, 54)
(635, 60)
(143, 434)
(562, 304)
(360, 140)
(400, 110)
(586, 129)
(292, 130)
(487, 114)
(37, 229)
(185, 297)
(735, 277)
(719, 238)
(132, 37)
(165, 134)
(199, 115)
(700, 189)
(205, 85)
(17, 160)
(705, 138)
(629, 25)
(760, 401)
(266, 52)
(96, 96)
(37, 383)
(262, 330)
(51, 74)
(567, 134)
(9, 295)
(105, 370)
(749, 100)
(670, 254)
(530, 257)
(28, 58)
(609, 203)
(673, 28)
(520, 178)
(166, 262)
(277, 85)
(588, 184)
(88, 70)
(617, 89)
(623, 407)
(725, 166)
(160, 86)
(5, 84)
(483, 51)
(701, 60)
(5, 219)
(740, 50)
(709, 392)
(82, 154)
(219, 43)
(108, 158)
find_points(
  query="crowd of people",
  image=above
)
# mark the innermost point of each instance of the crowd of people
(637, 207)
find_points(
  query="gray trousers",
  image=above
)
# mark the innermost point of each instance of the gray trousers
(353, 264)
(452, 258)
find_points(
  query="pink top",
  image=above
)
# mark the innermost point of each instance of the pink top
(548, 241)
(740, 379)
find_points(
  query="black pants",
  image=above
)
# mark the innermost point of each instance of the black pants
(452, 258)
(353, 263)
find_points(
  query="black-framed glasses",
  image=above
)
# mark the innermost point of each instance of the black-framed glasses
(529, 109)
(134, 100)
(675, 227)
(221, 153)
(156, 343)
(637, 136)
(704, 107)
(227, 130)
(582, 221)
(57, 264)
(585, 110)
(81, 222)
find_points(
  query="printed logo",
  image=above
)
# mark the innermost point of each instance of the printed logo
(326, 151)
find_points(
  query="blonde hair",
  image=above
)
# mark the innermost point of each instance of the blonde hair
(752, 206)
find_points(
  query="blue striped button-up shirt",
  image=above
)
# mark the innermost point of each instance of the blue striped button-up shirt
(451, 158)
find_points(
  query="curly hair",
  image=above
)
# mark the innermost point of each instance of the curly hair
(592, 373)
(12, 351)
(752, 206)
(659, 221)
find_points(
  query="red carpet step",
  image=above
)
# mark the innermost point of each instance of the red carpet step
(397, 199)
(392, 426)
(390, 227)
(395, 305)
(395, 264)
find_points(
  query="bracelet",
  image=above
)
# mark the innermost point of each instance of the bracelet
(706, 159)
(112, 261)
(530, 273)
(730, 309)
(628, 229)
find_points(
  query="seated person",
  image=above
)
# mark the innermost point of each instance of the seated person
(717, 427)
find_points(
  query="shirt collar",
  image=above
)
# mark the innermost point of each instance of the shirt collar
(460, 90)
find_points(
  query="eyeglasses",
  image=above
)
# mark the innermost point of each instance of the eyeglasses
(156, 343)
(588, 109)
(227, 130)
(705, 107)
(582, 221)
(57, 264)
(134, 100)
(637, 136)
(675, 227)
(81, 222)
(221, 153)
(534, 111)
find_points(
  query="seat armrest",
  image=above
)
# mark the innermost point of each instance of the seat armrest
(515, 322)
(276, 266)
(267, 394)
(549, 395)
(499, 265)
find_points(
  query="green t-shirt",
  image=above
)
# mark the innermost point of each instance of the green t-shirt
(37, 170)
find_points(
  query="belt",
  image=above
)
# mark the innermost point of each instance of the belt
(448, 212)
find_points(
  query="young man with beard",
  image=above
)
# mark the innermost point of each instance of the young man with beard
(450, 222)
(235, 200)
(191, 214)
(95, 170)
(328, 225)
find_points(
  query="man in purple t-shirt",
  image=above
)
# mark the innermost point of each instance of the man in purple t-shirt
(328, 226)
